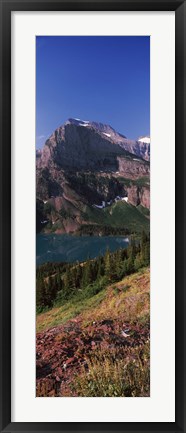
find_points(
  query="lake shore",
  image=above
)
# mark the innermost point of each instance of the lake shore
(70, 248)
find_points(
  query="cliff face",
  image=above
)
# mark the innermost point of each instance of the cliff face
(139, 147)
(82, 168)
(78, 148)
(139, 195)
(133, 168)
(145, 197)
(86, 145)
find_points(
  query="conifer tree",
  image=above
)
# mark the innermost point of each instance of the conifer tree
(67, 282)
(73, 278)
(145, 248)
(87, 274)
(78, 275)
(100, 268)
(107, 263)
(119, 262)
(41, 293)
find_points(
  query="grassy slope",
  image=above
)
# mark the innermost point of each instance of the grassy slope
(142, 181)
(129, 297)
(119, 214)
(144, 210)
(122, 214)
(81, 350)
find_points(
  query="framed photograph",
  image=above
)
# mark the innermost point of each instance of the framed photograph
(92, 216)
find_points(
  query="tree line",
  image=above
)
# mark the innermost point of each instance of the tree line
(92, 230)
(59, 282)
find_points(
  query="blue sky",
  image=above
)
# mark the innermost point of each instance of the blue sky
(101, 78)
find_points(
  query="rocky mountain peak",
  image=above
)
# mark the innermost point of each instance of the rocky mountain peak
(84, 167)
(99, 127)
(80, 144)
(139, 147)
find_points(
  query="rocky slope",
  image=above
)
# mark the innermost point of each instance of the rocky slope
(84, 349)
(85, 167)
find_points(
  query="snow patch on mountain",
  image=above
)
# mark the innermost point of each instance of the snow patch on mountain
(79, 121)
(108, 135)
(144, 140)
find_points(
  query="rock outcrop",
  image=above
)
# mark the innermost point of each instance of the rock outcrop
(139, 195)
(133, 168)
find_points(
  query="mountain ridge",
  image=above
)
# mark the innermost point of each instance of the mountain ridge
(139, 147)
(83, 166)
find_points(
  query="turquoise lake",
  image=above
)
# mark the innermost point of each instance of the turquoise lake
(68, 248)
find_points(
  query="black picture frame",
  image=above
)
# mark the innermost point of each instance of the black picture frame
(6, 7)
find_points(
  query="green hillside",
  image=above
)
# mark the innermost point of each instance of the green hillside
(93, 325)
(124, 214)
(120, 216)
